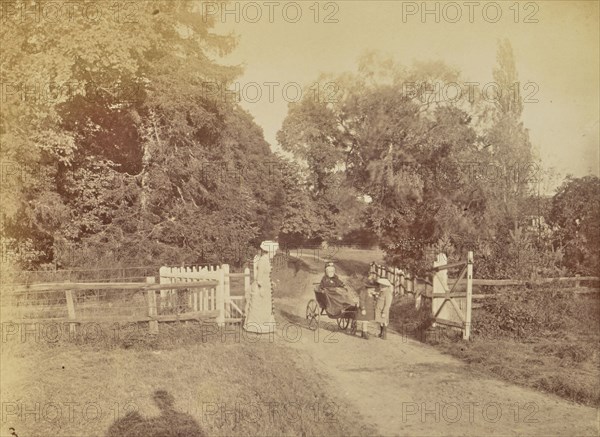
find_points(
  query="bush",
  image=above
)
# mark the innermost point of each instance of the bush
(521, 313)
(408, 320)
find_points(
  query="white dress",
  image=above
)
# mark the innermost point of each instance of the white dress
(259, 307)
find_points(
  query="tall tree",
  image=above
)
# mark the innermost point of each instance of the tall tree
(121, 147)
(438, 173)
(400, 151)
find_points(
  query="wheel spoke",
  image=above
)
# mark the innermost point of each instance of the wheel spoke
(312, 314)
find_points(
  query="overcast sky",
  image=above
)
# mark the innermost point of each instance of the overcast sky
(559, 53)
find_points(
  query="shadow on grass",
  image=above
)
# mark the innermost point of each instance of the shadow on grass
(170, 423)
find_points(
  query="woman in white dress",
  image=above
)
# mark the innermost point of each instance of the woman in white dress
(259, 306)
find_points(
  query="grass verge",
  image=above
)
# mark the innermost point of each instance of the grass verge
(179, 383)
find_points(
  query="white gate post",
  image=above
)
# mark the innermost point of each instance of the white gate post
(221, 298)
(162, 273)
(418, 295)
(246, 289)
(226, 289)
(152, 310)
(467, 331)
(440, 283)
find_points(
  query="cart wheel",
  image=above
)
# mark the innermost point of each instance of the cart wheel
(312, 314)
(343, 323)
(353, 327)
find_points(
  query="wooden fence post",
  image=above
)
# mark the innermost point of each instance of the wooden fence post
(467, 331)
(418, 298)
(246, 288)
(399, 276)
(440, 284)
(226, 290)
(152, 311)
(220, 298)
(577, 280)
(164, 277)
(70, 309)
(195, 292)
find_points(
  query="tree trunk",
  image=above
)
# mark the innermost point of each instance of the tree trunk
(146, 159)
(145, 164)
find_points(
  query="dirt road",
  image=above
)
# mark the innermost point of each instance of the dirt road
(406, 388)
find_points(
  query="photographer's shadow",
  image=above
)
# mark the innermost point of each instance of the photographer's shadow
(170, 423)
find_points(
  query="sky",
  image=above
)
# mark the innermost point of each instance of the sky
(556, 46)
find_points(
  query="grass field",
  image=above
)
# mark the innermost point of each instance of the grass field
(218, 385)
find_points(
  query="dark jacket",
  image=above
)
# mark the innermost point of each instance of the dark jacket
(367, 303)
(332, 282)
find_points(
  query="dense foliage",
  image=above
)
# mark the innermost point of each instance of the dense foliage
(119, 156)
(114, 153)
(428, 173)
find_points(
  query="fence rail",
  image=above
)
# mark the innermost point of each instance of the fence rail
(405, 282)
(420, 288)
(78, 308)
(538, 281)
(197, 292)
(60, 286)
(108, 295)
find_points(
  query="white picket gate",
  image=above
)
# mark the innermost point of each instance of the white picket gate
(204, 299)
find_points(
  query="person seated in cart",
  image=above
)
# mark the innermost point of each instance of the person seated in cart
(330, 279)
(331, 282)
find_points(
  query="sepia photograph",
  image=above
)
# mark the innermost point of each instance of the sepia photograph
(311, 218)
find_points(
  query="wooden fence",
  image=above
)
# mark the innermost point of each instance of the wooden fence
(438, 288)
(108, 274)
(402, 282)
(69, 302)
(406, 283)
(184, 293)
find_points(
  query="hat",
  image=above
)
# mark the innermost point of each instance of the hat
(269, 246)
(384, 281)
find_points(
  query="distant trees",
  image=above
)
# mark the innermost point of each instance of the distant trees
(575, 212)
(437, 174)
